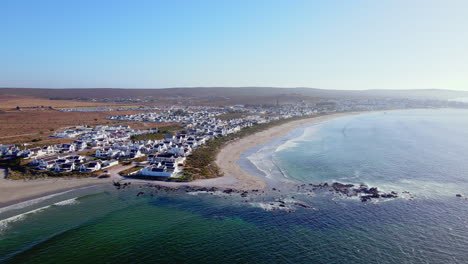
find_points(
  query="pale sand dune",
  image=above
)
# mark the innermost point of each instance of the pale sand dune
(234, 177)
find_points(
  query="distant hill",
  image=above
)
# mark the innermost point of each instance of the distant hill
(237, 94)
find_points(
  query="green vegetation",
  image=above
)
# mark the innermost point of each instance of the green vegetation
(25, 172)
(185, 177)
(11, 163)
(140, 159)
(201, 163)
(149, 136)
(28, 174)
(231, 115)
(161, 134)
(180, 112)
(90, 153)
(125, 162)
(18, 170)
(129, 170)
(36, 140)
(169, 129)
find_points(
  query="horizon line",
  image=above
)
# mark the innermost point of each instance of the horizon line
(240, 87)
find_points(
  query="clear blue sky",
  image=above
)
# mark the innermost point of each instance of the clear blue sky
(347, 44)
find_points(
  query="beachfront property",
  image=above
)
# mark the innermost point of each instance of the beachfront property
(91, 166)
(166, 156)
(161, 169)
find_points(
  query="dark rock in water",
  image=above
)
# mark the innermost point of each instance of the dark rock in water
(302, 205)
(365, 198)
(337, 185)
(140, 193)
(389, 195)
(364, 192)
(458, 195)
(228, 191)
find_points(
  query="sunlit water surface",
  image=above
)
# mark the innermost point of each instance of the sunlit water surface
(421, 151)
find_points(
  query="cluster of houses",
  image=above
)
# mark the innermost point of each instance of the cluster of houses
(184, 116)
(12, 151)
(70, 163)
(94, 134)
(65, 158)
(164, 158)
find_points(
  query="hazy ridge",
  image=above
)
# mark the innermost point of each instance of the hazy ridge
(232, 92)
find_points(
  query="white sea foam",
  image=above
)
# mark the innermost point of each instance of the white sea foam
(215, 193)
(286, 204)
(28, 203)
(68, 202)
(5, 223)
(287, 145)
(309, 134)
(271, 206)
(31, 202)
(421, 189)
(262, 162)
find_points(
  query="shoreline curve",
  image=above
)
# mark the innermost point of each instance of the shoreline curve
(231, 153)
(12, 191)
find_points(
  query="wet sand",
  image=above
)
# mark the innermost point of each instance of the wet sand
(12, 191)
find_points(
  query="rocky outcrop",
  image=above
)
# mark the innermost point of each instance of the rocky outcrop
(362, 191)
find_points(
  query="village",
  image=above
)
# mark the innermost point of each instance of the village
(96, 149)
(159, 154)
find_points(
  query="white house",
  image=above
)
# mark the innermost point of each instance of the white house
(64, 167)
(49, 149)
(67, 148)
(168, 157)
(33, 152)
(159, 171)
(79, 145)
(109, 163)
(90, 166)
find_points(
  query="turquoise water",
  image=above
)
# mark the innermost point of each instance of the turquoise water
(422, 151)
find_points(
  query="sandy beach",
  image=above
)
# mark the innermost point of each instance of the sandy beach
(235, 177)
(227, 158)
(12, 191)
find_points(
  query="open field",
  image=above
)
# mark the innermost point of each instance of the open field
(24, 126)
(8, 102)
(230, 94)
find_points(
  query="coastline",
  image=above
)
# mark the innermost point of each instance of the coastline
(15, 191)
(230, 154)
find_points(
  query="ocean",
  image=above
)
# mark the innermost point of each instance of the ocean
(420, 154)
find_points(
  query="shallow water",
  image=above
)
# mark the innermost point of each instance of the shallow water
(422, 151)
